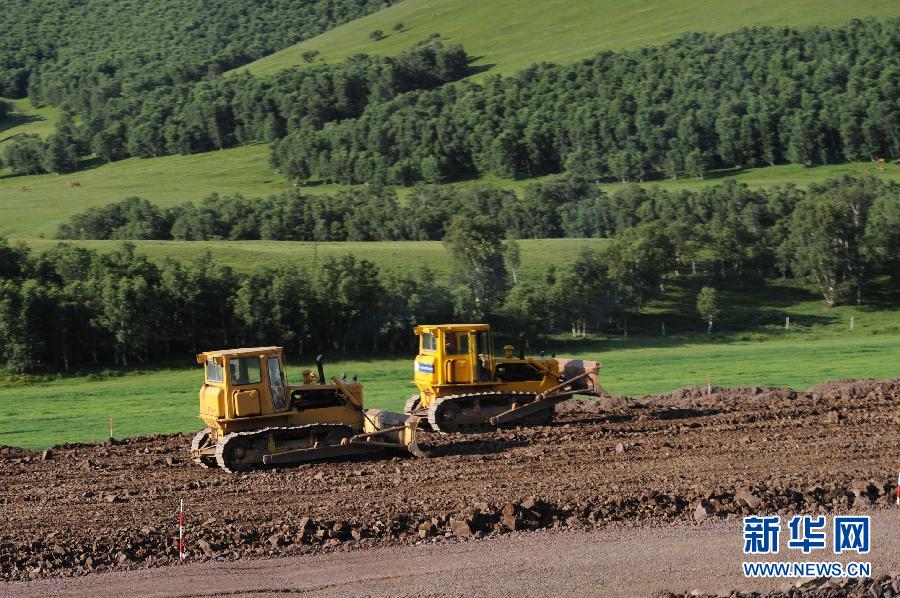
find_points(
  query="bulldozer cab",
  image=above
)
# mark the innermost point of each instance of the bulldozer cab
(454, 354)
(243, 382)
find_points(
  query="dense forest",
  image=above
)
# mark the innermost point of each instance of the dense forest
(753, 97)
(220, 112)
(71, 306)
(73, 53)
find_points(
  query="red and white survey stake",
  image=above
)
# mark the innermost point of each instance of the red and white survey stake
(181, 530)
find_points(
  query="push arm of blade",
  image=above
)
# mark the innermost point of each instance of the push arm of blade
(550, 391)
(519, 412)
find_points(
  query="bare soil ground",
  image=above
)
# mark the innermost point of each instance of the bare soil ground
(616, 560)
(677, 459)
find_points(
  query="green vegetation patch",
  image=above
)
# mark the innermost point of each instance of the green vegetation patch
(509, 35)
(48, 200)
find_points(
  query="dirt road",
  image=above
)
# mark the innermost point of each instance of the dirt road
(655, 461)
(612, 562)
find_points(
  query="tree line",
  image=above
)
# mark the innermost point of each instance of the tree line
(834, 234)
(758, 96)
(70, 306)
(564, 208)
(838, 237)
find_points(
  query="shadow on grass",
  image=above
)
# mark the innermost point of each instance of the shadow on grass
(474, 69)
(13, 120)
(717, 175)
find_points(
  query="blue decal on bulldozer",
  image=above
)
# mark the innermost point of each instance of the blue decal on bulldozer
(425, 368)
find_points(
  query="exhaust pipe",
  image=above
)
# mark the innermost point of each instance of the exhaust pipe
(521, 345)
(321, 369)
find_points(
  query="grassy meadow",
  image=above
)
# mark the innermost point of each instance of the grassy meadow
(51, 199)
(504, 36)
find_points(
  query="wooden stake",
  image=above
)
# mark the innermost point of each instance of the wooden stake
(181, 530)
(787, 322)
(851, 323)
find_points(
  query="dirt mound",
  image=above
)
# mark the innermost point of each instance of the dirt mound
(696, 396)
(690, 396)
(590, 406)
(855, 388)
(91, 508)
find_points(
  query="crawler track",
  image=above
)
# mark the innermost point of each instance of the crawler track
(255, 448)
(471, 413)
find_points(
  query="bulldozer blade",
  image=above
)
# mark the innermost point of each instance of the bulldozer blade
(523, 411)
(587, 373)
(394, 430)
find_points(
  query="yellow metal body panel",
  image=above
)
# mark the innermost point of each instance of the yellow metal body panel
(459, 358)
(245, 389)
(212, 401)
(246, 403)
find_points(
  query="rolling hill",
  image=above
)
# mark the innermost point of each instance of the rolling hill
(508, 35)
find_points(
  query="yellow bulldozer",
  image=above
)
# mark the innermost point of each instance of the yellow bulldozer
(253, 417)
(463, 387)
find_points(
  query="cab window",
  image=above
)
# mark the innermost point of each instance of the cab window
(482, 344)
(244, 370)
(456, 343)
(429, 342)
(214, 371)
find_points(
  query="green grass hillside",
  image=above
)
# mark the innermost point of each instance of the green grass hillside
(25, 119)
(51, 199)
(507, 35)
